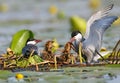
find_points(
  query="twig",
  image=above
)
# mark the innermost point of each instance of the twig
(80, 47)
(72, 59)
(37, 68)
(55, 62)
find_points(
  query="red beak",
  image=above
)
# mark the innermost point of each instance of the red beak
(72, 39)
(37, 40)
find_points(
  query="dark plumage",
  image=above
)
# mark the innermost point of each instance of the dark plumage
(30, 46)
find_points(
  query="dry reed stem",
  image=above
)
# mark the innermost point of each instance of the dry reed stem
(80, 48)
(55, 62)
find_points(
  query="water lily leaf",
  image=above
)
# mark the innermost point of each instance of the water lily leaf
(78, 23)
(19, 40)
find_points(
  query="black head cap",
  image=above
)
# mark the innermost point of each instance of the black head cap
(74, 33)
(30, 39)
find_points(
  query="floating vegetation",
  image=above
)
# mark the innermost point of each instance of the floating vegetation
(53, 10)
(114, 57)
(55, 45)
(49, 58)
(94, 4)
(78, 23)
(18, 22)
(61, 15)
(19, 40)
(4, 7)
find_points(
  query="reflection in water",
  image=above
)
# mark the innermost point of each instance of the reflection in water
(109, 76)
(115, 80)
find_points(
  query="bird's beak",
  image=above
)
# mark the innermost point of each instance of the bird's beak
(72, 39)
(37, 40)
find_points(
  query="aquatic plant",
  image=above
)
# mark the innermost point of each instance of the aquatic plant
(53, 9)
(19, 40)
(78, 23)
(94, 4)
(55, 45)
(49, 59)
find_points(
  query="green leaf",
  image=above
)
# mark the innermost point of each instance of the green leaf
(78, 23)
(19, 40)
(55, 46)
(22, 63)
(37, 59)
(31, 60)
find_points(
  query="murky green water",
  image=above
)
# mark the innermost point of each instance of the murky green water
(34, 15)
(68, 75)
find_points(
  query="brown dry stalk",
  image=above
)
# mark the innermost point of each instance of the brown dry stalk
(37, 68)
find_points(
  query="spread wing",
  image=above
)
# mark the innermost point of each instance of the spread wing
(102, 13)
(97, 29)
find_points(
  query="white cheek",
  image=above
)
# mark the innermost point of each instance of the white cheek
(78, 37)
(31, 42)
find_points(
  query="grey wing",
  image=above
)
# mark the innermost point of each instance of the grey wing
(96, 31)
(98, 15)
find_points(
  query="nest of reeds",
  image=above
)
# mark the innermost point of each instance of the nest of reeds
(50, 59)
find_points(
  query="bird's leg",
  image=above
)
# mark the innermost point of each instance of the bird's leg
(101, 56)
(94, 60)
(93, 57)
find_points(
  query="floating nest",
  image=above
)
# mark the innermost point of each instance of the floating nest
(114, 57)
(49, 60)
